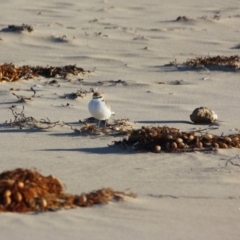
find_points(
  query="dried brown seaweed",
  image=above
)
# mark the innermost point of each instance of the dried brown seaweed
(185, 18)
(157, 139)
(223, 61)
(117, 127)
(11, 72)
(111, 83)
(53, 82)
(235, 161)
(182, 18)
(18, 28)
(24, 190)
(80, 93)
(21, 121)
(50, 71)
(25, 99)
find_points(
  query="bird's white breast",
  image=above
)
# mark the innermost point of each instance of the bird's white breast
(99, 109)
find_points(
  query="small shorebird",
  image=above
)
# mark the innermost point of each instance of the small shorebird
(99, 108)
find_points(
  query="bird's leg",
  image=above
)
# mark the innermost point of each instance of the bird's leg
(106, 121)
(99, 121)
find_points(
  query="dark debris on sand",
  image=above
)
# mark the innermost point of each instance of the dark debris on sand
(10, 72)
(24, 190)
(18, 28)
(157, 139)
(231, 62)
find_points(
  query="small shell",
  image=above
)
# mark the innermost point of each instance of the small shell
(7, 201)
(190, 137)
(223, 145)
(181, 145)
(235, 139)
(208, 136)
(17, 196)
(199, 144)
(20, 184)
(179, 140)
(157, 148)
(228, 139)
(174, 145)
(43, 202)
(169, 137)
(7, 193)
(215, 145)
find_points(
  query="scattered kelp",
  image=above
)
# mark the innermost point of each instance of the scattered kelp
(231, 62)
(22, 121)
(116, 82)
(18, 28)
(88, 126)
(62, 38)
(157, 139)
(53, 82)
(24, 190)
(182, 18)
(235, 161)
(185, 18)
(116, 127)
(79, 93)
(110, 83)
(219, 63)
(50, 71)
(10, 72)
(23, 98)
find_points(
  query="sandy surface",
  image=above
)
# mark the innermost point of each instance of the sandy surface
(180, 196)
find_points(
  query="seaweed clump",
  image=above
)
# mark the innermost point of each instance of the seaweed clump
(157, 139)
(216, 61)
(24, 190)
(10, 72)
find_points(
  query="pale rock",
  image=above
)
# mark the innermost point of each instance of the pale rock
(203, 115)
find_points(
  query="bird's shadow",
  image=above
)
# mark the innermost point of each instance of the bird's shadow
(11, 102)
(4, 129)
(94, 150)
(66, 134)
(165, 122)
(216, 124)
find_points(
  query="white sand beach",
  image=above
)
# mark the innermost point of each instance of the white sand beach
(179, 195)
